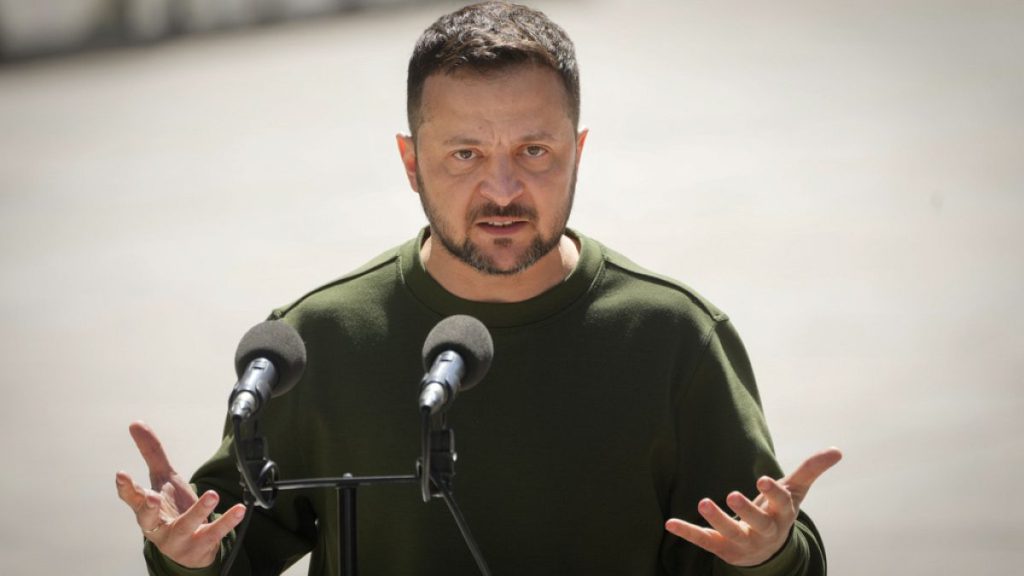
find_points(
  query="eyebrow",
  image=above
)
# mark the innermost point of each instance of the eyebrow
(541, 136)
(462, 141)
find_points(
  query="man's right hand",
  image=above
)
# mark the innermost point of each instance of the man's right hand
(170, 514)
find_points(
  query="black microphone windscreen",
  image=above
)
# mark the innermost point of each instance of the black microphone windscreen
(466, 336)
(279, 343)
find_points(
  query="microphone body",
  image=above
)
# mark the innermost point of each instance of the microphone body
(253, 388)
(456, 354)
(270, 360)
(442, 382)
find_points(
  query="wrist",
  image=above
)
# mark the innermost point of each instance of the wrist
(786, 560)
(160, 563)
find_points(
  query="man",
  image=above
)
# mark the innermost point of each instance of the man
(619, 430)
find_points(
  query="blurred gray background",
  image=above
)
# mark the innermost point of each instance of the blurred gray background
(844, 178)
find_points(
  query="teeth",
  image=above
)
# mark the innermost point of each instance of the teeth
(500, 224)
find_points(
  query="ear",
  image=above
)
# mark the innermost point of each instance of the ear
(407, 150)
(581, 139)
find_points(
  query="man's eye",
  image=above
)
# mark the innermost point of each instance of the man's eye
(464, 154)
(535, 151)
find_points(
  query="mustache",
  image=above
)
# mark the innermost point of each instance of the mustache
(491, 210)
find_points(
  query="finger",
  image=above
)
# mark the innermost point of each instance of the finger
(148, 515)
(753, 515)
(199, 513)
(706, 538)
(129, 492)
(152, 451)
(145, 503)
(720, 521)
(779, 503)
(177, 495)
(221, 527)
(800, 480)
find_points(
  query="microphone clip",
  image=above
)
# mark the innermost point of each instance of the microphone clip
(258, 473)
(440, 459)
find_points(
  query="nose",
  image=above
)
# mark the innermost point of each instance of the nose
(501, 183)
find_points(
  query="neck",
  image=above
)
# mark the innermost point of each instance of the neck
(469, 283)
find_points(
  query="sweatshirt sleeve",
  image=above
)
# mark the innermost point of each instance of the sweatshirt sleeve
(724, 445)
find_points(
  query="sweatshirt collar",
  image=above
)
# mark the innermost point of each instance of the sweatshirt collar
(500, 314)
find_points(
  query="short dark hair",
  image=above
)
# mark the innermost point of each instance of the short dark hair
(487, 37)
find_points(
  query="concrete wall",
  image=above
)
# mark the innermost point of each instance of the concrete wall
(35, 27)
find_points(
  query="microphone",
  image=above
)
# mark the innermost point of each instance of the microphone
(269, 361)
(456, 355)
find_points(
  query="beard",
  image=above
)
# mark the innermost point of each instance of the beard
(472, 255)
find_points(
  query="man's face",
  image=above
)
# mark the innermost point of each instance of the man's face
(494, 163)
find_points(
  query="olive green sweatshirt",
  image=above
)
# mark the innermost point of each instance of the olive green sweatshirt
(616, 400)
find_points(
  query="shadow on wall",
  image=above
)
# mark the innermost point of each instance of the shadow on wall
(31, 28)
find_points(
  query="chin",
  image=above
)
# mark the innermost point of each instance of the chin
(506, 263)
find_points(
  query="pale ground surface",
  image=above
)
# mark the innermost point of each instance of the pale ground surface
(845, 179)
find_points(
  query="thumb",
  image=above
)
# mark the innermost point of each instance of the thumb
(152, 451)
(800, 480)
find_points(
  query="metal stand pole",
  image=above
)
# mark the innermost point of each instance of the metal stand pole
(347, 522)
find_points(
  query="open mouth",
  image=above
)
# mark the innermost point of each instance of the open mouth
(502, 226)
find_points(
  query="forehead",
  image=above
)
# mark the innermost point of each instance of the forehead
(527, 97)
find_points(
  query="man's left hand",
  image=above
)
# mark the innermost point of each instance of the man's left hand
(760, 527)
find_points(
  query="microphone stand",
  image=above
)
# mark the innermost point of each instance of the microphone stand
(260, 486)
(438, 458)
